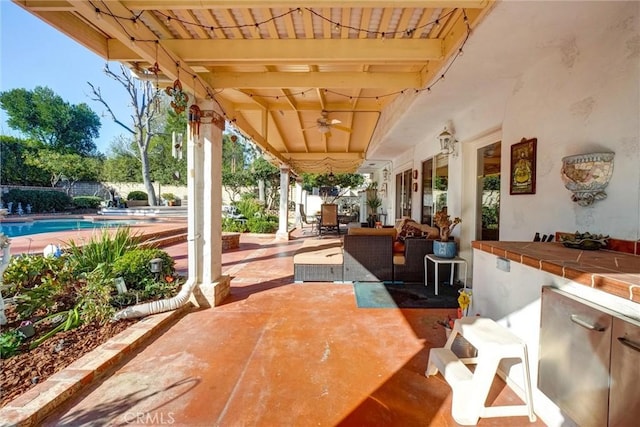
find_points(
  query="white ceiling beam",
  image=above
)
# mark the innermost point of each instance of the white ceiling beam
(334, 80)
(354, 51)
(294, 4)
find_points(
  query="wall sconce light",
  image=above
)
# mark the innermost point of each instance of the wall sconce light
(385, 174)
(447, 143)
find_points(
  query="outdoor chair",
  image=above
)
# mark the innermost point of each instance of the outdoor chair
(328, 218)
(306, 220)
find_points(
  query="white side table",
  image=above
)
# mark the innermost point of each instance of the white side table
(436, 261)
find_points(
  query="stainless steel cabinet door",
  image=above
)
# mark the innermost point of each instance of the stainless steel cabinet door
(575, 347)
(624, 397)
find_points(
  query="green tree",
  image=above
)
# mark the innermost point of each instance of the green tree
(343, 181)
(237, 155)
(44, 116)
(263, 171)
(167, 169)
(122, 165)
(15, 170)
(144, 117)
(66, 168)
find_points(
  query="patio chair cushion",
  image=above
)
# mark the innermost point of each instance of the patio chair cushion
(322, 251)
(364, 231)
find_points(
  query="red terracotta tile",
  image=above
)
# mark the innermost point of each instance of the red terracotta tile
(552, 267)
(626, 246)
(531, 261)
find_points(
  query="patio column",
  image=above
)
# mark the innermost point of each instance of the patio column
(204, 182)
(283, 226)
(299, 201)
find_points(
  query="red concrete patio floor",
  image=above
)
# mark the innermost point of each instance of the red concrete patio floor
(278, 353)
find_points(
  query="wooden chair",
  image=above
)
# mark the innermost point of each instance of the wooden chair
(305, 219)
(328, 218)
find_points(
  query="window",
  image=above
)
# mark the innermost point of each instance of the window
(435, 183)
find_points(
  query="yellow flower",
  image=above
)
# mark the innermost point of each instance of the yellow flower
(464, 299)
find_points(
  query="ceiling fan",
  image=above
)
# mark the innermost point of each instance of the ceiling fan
(324, 125)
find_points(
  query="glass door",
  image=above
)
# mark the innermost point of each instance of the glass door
(403, 194)
(435, 183)
(488, 204)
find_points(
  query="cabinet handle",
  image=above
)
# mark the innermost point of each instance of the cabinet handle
(629, 343)
(593, 327)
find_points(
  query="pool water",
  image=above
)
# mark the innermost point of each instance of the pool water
(16, 229)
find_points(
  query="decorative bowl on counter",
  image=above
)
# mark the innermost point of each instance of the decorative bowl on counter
(584, 241)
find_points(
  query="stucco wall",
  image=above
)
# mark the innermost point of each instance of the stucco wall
(583, 97)
(582, 94)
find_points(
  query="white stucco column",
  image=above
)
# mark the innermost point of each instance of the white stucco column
(283, 226)
(204, 182)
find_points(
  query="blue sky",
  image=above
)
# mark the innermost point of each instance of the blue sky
(32, 53)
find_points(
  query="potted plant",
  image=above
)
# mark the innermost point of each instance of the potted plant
(170, 198)
(444, 248)
(373, 203)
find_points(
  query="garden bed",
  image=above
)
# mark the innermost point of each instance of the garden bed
(23, 371)
(59, 307)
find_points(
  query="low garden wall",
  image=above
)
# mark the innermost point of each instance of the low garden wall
(230, 240)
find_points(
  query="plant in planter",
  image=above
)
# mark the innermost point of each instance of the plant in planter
(170, 198)
(137, 198)
(373, 203)
(445, 248)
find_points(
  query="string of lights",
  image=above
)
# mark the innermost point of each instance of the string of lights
(135, 18)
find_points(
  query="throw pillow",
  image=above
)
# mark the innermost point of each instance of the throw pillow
(410, 229)
(398, 247)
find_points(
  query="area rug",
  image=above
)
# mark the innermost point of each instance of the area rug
(382, 295)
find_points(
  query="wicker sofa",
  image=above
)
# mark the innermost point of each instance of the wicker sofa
(366, 255)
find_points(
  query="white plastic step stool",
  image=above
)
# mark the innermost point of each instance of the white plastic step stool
(470, 389)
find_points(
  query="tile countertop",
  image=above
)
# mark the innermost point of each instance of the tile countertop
(616, 273)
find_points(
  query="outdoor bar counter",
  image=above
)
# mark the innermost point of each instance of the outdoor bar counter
(508, 281)
(616, 273)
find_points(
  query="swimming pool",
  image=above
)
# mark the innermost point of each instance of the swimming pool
(16, 229)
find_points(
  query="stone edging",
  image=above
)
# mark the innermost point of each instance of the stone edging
(31, 407)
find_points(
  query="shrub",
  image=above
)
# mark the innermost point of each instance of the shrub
(28, 271)
(9, 343)
(133, 266)
(263, 224)
(101, 249)
(233, 225)
(137, 195)
(94, 298)
(87, 202)
(40, 200)
(39, 284)
(249, 206)
(168, 196)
